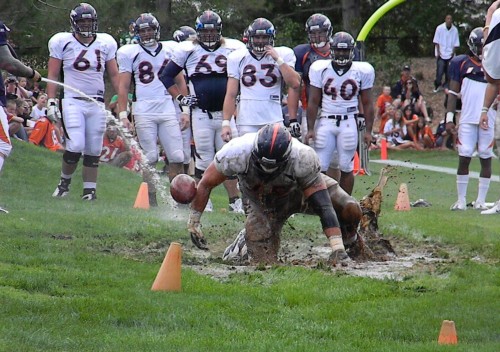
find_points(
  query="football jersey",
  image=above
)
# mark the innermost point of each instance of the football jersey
(83, 64)
(260, 85)
(146, 66)
(44, 134)
(341, 89)
(491, 47)
(111, 149)
(3, 41)
(206, 71)
(469, 73)
(235, 158)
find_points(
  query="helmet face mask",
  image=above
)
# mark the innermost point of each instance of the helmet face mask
(261, 33)
(342, 48)
(147, 28)
(272, 148)
(209, 30)
(319, 30)
(83, 20)
(475, 42)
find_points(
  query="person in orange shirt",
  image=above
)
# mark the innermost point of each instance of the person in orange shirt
(115, 150)
(47, 135)
(387, 115)
(424, 134)
(382, 101)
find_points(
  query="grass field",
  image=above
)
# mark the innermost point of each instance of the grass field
(76, 276)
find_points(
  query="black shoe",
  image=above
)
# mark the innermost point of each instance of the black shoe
(89, 194)
(62, 189)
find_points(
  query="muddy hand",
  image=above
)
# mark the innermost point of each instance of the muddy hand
(199, 242)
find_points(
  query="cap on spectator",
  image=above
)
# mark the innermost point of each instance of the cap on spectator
(406, 68)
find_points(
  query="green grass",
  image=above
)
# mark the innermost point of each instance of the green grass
(76, 276)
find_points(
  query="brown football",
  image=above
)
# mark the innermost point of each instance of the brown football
(183, 188)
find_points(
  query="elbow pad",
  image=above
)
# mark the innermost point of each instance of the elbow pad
(322, 206)
(169, 73)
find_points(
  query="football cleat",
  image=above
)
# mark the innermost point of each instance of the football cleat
(3, 210)
(480, 206)
(236, 207)
(62, 188)
(89, 194)
(237, 251)
(493, 210)
(339, 256)
(458, 206)
(209, 207)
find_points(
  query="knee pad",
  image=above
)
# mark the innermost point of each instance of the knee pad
(198, 173)
(90, 161)
(71, 158)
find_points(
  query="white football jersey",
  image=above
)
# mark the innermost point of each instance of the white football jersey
(341, 89)
(83, 64)
(146, 66)
(260, 85)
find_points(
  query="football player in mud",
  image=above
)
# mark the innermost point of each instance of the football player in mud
(279, 176)
(491, 67)
(467, 79)
(83, 56)
(257, 74)
(155, 117)
(204, 61)
(339, 85)
(115, 149)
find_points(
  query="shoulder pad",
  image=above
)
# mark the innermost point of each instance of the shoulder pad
(186, 45)
(233, 44)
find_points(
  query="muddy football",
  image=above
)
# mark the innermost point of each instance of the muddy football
(183, 189)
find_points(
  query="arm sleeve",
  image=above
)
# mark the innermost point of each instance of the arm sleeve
(169, 73)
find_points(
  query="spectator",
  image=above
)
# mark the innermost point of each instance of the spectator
(387, 115)
(46, 134)
(410, 120)
(23, 111)
(15, 122)
(414, 98)
(115, 149)
(26, 93)
(424, 134)
(445, 43)
(397, 90)
(443, 140)
(382, 101)
(130, 36)
(40, 109)
(395, 131)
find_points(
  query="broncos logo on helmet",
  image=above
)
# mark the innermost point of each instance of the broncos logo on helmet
(209, 30)
(79, 19)
(260, 34)
(184, 33)
(475, 42)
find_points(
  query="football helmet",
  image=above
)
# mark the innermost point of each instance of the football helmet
(319, 30)
(475, 42)
(80, 13)
(184, 33)
(272, 148)
(260, 33)
(209, 30)
(342, 48)
(143, 22)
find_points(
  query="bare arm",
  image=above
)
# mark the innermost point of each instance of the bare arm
(366, 101)
(54, 67)
(293, 102)
(313, 106)
(229, 107)
(15, 67)
(112, 68)
(124, 79)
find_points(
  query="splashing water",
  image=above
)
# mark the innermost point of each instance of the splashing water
(161, 187)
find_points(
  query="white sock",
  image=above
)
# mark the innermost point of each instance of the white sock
(482, 191)
(89, 185)
(1, 162)
(462, 183)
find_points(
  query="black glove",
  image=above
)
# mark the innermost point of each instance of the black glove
(294, 128)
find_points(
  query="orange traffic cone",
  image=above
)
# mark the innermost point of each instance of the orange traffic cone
(357, 170)
(383, 149)
(169, 275)
(448, 334)
(403, 200)
(142, 199)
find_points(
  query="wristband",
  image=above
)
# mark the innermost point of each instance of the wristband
(484, 109)
(51, 101)
(280, 61)
(449, 117)
(226, 123)
(184, 109)
(123, 115)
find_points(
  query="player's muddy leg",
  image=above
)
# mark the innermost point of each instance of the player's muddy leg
(262, 236)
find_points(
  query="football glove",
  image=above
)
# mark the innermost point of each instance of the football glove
(53, 113)
(188, 100)
(194, 228)
(361, 122)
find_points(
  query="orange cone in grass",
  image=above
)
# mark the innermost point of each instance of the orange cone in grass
(448, 334)
(142, 199)
(357, 170)
(169, 275)
(403, 200)
(383, 149)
